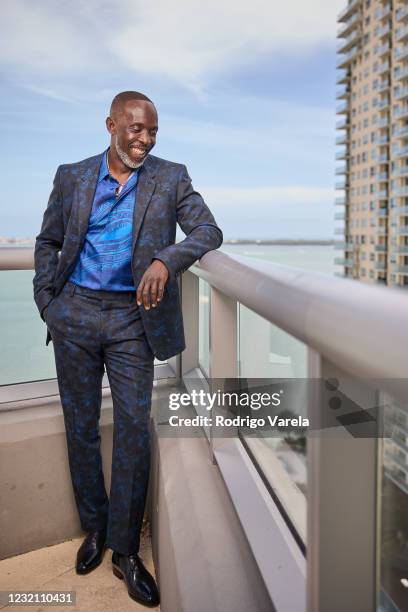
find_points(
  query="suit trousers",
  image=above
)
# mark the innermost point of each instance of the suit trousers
(91, 330)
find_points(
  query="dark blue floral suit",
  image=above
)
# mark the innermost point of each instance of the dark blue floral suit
(92, 330)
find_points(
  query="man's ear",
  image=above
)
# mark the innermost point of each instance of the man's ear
(110, 125)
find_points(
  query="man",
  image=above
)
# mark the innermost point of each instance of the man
(111, 299)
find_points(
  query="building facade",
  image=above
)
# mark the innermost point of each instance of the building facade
(372, 124)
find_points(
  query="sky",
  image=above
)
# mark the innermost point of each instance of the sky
(245, 93)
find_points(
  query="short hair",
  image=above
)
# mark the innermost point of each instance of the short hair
(121, 98)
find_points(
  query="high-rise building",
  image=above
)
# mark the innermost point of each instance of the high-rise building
(372, 109)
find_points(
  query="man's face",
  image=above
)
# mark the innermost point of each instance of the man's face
(133, 129)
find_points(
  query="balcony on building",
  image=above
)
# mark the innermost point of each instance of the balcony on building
(401, 93)
(384, 31)
(384, 121)
(400, 151)
(343, 93)
(347, 262)
(384, 49)
(401, 14)
(400, 210)
(343, 124)
(345, 58)
(383, 85)
(383, 11)
(399, 248)
(343, 77)
(347, 43)
(400, 191)
(401, 34)
(401, 53)
(351, 24)
(342, 108)
(342, 154)
(341, 140)
(384, 67)
(343, 246)
(383, 103)
(400, 270)
(401, 170)
(401, 132)
(401, 112)
(400, 73)
(349, 10)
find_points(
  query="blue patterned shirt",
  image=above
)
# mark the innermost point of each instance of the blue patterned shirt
(105, 259)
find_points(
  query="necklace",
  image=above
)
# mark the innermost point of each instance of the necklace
(121, 185)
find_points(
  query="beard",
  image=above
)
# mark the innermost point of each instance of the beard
(125, 157)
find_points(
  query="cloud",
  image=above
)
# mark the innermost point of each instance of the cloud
(187, 42)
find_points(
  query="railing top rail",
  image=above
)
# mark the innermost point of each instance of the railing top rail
(361, 328)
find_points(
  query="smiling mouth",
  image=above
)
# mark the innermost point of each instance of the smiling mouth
(139, 150)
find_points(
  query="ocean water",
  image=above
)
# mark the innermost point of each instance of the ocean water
(24, 356)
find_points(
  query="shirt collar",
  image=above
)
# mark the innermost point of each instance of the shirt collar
(104, 172)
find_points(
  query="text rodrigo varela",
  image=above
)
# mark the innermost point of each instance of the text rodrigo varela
(209, 401)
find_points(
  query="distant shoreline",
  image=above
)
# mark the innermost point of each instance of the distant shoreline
(281, 242)
(6, 241)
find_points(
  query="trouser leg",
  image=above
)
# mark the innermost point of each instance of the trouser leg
(129, 366)
(79, 364)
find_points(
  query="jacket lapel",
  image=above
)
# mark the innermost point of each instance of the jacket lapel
(85, 194)
(144, 191)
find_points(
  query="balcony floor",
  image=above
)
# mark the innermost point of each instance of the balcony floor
(53, 568)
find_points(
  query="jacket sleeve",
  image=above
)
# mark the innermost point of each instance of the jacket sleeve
(197, 222)
(47, 244)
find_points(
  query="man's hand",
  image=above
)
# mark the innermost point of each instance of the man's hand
(151, 287)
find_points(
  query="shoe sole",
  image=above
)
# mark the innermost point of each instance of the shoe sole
(118, 573)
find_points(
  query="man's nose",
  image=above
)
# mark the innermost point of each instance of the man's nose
(144, 137)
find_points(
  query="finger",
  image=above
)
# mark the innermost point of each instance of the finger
(153, 292)
(160, 290)
(140, 291)
(146, 295)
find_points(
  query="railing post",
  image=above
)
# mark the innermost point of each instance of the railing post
(223, 342)
(190, 303)
(341, 505)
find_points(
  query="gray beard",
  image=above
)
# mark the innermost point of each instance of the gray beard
(125, 157)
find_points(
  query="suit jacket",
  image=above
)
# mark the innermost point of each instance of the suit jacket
(164, 197)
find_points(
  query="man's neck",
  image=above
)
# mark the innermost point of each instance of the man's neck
(117, 168)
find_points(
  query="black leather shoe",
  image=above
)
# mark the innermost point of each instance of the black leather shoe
(140, 584)
(90, 553)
